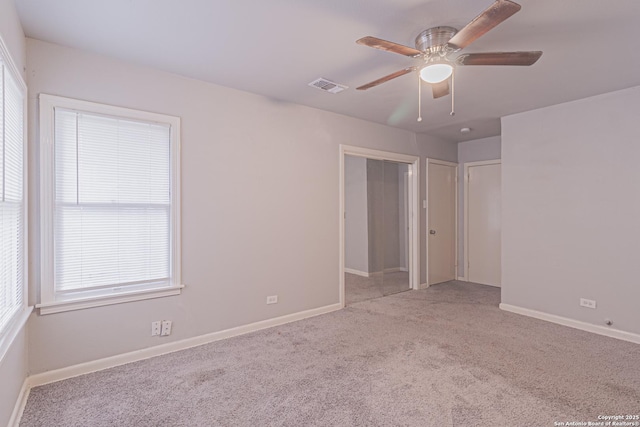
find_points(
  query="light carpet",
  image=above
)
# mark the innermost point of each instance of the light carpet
(443, 356)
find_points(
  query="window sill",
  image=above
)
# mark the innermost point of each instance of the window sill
(80, 304)
(13, 329)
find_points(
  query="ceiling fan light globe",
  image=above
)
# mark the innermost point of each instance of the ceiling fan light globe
(436, 73)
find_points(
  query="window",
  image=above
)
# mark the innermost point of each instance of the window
(110, 204)
(12, 196)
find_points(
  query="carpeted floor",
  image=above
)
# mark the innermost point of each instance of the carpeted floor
(444, 356)
(359, 288)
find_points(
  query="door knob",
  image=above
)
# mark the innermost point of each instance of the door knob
(432, 231)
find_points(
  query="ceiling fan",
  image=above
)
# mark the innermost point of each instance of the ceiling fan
(437, 47)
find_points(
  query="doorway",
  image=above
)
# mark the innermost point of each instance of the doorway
(482, 222)
(378, 224)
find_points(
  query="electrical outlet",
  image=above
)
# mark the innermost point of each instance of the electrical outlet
(589, 303)
(155, 328)
(273, 299)
(166, 328)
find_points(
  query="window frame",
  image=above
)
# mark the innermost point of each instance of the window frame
(10, 330)
(49, 302)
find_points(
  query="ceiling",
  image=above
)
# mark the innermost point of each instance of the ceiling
(274, 48)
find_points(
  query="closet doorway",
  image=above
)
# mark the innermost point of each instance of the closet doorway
(378, 225)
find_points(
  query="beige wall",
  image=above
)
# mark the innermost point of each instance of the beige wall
(256, 174)
(570, 209)
(13, 366)
(12, 34)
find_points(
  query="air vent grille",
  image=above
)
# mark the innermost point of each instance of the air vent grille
(327, 85)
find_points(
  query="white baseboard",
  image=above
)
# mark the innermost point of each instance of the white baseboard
(134, 356)
(21, 402)
(577, 324)
(356, 272)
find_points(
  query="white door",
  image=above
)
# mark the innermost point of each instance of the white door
(441, 227)
(483, 228)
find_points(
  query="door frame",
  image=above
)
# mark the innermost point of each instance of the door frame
(465, 226)
(426, 206)
(407, 218)
(413, 163)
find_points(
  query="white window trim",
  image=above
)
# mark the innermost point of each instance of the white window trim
(17, 322)
(48, 303)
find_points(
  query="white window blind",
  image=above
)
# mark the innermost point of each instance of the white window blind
(113, 226)
(12, 224)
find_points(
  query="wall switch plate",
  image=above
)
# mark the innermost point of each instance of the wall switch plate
(273, 299)
(155, 328)
(589, 303)
(166, 328)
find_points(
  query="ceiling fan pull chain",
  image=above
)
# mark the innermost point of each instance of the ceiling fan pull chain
(453, 93)
(419, 98)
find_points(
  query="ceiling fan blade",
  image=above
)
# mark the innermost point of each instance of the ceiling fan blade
(440, 89)
(377, 43)
(499, 58)
(386, 78)
(492, 16)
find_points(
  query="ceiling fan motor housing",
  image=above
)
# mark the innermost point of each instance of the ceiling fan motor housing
(434, 40)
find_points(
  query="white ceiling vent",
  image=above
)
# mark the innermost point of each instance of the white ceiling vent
(327, 85)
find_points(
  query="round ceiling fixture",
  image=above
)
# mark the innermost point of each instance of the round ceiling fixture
(436, 72)
(465, 130)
